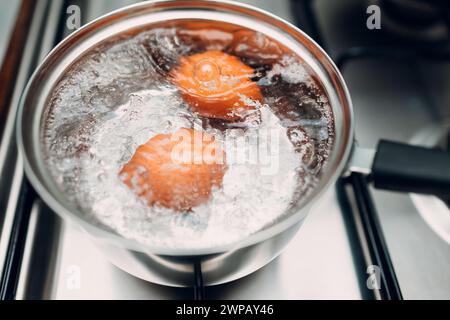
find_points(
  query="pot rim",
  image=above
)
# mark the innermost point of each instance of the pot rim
(340, 153)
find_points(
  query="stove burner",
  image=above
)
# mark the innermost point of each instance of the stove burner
(417, 20)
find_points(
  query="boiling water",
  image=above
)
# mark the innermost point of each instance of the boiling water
(118, 96)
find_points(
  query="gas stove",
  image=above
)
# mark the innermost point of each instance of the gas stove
(398, 86)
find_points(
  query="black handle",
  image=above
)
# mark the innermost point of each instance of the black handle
(402, 167)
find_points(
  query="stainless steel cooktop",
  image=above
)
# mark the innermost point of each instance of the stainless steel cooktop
(393, 99)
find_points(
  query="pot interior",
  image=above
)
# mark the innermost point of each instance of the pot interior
(111, 88)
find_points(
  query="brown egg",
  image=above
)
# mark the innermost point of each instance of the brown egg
(217, 85)
(256, 48)
(177, 170)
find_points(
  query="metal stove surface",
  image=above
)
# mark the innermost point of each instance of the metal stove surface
(60, 262)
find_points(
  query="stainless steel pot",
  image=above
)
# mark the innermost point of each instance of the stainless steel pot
(219, 264)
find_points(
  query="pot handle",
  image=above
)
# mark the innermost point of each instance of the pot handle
(407, 168)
